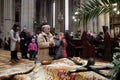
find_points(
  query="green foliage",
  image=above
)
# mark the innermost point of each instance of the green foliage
(116, 62)
(93, 8)
(116, 58)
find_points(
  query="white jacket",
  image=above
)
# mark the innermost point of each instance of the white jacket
(13, 39)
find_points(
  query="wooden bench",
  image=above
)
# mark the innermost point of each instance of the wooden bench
(70, 49)
(88, 49)
(77, 46)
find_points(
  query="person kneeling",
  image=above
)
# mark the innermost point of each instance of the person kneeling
(32, 49)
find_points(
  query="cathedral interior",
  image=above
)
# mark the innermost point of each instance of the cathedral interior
(57, 13)
(60, 15)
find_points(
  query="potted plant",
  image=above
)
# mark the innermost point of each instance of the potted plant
(116, 68)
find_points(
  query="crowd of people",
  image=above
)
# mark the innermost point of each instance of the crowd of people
(46, 46)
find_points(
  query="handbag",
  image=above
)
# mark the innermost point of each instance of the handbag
(17, 46)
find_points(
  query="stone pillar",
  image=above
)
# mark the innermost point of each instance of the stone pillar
(9, 12)
(72, 23)
(28, 14)
(57, 9)
(43, 14)
(95, 26)
(41, 10)
(49, 9)
(107, 20)
(82, 27)
(44, 17)
(62, 9)
(90, 26)
(0, 17)
(101, 22)
(0, 12)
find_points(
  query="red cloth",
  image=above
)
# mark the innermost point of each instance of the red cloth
(64, 48)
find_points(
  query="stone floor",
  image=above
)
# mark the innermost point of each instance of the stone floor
(8, 68)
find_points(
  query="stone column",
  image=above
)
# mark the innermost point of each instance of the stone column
(2, 20)
(62, 9)
(41, 10)
(101, 22)
(90, 26)
(28, 14)
(1, 11)
(95, 25)
(49, 12)
(72, 23)
(82, 27)
(9, 13)
(57, 9)
(107, 20)
(44, 15)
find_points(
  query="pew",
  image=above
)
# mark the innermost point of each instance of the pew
(74, 48)
(73, 45)
(88, 49)
(70, 49)
(77, 46)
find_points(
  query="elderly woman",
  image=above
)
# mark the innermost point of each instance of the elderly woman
(45, 41)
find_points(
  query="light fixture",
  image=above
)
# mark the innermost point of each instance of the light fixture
(118, 12)
(73, 17)
(75, 20)
(76, 13)
(115, 9)
(115, 4)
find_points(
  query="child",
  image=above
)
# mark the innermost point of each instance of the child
(32, 49)
(65, 44)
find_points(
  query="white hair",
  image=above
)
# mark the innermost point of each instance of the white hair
(45, 26)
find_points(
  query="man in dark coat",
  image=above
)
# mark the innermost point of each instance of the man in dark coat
(23, 44)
